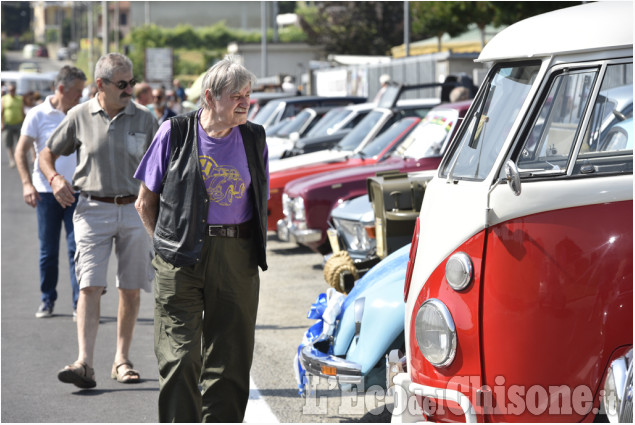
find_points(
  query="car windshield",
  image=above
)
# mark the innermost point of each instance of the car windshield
(273, 130)
(329, 122)
(379, 143)
(293, 124)
(430, 137)
(490, 121)
(264, 116)
(361, 130)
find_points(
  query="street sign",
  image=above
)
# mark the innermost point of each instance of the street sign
(159, 66)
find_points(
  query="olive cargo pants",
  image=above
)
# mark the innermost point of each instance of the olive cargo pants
(204, 325)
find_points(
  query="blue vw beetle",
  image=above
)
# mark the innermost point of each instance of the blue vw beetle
(355, 332)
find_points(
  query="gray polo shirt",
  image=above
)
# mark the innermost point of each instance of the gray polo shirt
(108, 151)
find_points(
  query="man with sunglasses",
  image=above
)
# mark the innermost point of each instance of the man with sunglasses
(110, 135)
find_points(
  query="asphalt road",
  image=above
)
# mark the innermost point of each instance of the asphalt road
(33, 350)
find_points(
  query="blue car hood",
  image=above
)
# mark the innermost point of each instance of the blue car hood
(383, 320)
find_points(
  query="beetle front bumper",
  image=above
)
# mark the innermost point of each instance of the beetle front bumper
(317, 363)
(404, 389)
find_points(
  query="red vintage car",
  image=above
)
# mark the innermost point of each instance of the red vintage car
(308, 201)
(353, 150)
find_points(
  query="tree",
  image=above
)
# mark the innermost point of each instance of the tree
(16, 17)
(507, 13)
(361, 28)
(433, 19)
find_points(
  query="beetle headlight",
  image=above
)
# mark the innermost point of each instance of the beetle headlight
(435, 333)
(459, 271)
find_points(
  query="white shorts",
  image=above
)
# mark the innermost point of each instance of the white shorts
(97, 226)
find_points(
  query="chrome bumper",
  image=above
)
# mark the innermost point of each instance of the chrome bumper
(287, 232)
(317, 363)
(404, 389)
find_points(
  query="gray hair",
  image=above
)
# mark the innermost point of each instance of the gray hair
(67, 75)
(226, 75)
(110, 63)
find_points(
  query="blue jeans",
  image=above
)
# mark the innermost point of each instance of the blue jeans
(50, 216)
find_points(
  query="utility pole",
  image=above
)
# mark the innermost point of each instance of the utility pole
(104, 27)
(116, 25)
(275, 21)
(91, 36)
(406, 26)
(263, 42)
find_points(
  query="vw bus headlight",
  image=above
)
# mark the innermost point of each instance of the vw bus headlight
(298, 209)
(617, 397)
(435, 333)
(459, 271)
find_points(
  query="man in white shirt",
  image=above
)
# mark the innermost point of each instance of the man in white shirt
(38, 125)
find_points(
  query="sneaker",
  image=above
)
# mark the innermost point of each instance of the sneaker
(74, 315)
(45, 310)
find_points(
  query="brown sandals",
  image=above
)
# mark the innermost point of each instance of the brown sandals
(79, 374)
(130, 376)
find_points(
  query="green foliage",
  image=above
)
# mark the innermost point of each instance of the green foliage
(362, 28)
(433, 19)
(210, 41)
(52, 35)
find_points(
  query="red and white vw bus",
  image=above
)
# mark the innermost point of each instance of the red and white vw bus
(519, 293)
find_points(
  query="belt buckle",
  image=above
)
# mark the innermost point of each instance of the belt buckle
(212, 227)
(117, 197)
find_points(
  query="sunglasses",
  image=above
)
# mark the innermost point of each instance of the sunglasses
(121, 85)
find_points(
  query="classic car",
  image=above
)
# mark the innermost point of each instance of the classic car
(347, 153)
(308, 201)
(257, 100)
(277, 110)
(368, 228)
(354, 333)
(336, 124)
(283, 137)
(519, 288)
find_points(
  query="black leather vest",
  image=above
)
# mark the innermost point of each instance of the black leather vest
(183, 203)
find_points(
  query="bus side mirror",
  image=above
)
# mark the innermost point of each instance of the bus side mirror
(512, 176)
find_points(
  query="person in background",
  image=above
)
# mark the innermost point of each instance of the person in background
(160, 108)
(28, 101)
(459, 93)
(39, 124)
(12, 116)
(180, 91)
(173, 101)
(143, 94)
(288, 86)
(215, 187)
(384, 81)
(110, 135)
(89, 92)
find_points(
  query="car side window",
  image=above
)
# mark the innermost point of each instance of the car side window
(613, 106)
(554, 131)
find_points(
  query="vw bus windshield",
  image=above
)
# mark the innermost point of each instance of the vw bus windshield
(490, 122)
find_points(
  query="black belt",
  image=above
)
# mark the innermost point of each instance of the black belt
(117, 200)
(242, 230)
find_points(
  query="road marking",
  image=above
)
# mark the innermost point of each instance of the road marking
(258, 410)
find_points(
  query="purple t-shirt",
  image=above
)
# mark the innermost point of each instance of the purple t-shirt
(224, 167)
